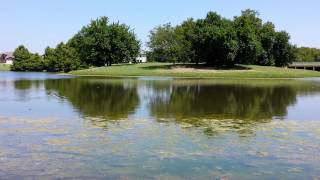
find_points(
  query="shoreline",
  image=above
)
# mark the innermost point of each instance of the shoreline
(166, 70)
(186, 77)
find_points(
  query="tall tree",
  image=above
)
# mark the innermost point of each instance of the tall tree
(283, 51)
(101, 43)
(267, 38)
(164, 44)
(185, 34)
(248, 26)
(216, 42)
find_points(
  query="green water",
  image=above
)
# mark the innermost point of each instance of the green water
(57, 127)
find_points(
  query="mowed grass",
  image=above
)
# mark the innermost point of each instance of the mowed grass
(193, 71)
(5, 67)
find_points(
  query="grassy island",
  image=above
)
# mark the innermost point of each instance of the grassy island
(194, 71)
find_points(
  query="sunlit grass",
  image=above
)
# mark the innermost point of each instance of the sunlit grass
(192, 71)
(5, 67)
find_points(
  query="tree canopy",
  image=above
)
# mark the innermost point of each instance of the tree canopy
(218, 41)
(213, 40)
(98, 44)
(101, 43)
(306, 54)
(62, 58)
(26, 61)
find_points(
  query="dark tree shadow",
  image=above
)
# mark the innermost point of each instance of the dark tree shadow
(195, 66)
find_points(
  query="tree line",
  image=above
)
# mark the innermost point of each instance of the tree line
(213, 40)
(306, 54)
(98, 44)
(219, 41)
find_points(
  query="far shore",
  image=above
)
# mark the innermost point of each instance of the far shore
(193, 71)
(189, 71)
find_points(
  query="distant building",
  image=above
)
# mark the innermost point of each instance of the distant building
(142, 58)
(6, 58)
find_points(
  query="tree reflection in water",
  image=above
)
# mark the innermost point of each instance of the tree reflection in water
(98, 100)
(215, 105)
(222, 106)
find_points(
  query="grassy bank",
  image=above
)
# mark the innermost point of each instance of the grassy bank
(4, 67)
(189, 71)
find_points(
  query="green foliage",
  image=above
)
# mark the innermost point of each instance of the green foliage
(185, 34)
(164, 44)
(22, 55)
(306, 54)
(267, 39)
(172, 44)
(218, 41)
(26, 61)
(248, 26)
(62, 58)
(101, 43)
(283, 51)
(97, 44)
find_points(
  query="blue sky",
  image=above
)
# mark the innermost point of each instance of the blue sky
(39, 23)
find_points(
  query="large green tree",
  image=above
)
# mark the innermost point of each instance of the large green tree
(173, 44)
(216, 42)
(185, 35)
(101, 43)
(283, 51)
(22, 55)
(248, 26)
(164, 44)
(267, 39)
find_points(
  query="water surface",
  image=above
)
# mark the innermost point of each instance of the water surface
(60, 127)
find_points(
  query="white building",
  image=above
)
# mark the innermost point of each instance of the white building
(142, 58)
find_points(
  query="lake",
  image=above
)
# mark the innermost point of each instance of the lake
(63, 127)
